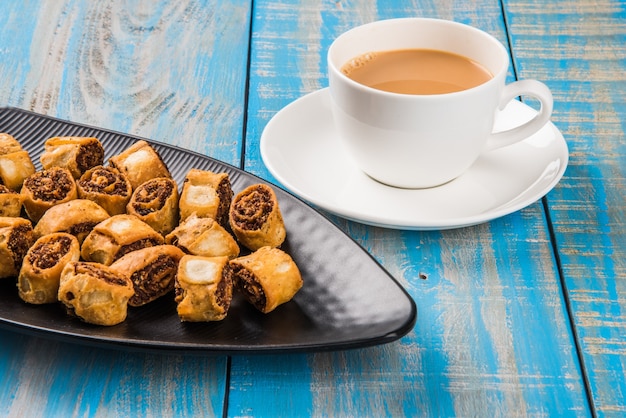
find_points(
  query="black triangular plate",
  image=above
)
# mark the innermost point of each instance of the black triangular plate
(348, 300)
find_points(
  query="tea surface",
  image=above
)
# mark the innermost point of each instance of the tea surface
(416, 71)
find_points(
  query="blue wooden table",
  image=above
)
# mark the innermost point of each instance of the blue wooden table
(521, 316)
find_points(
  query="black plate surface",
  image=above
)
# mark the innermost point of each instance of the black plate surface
(348, 300)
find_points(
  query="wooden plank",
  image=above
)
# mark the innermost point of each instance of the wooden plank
(579, 47)
(169, 71)
(492, 336)
(172, 72)
(42, 378)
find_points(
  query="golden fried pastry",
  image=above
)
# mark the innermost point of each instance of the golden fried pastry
(77, 217)
(38, 281)
(10, 202)
(203, 236)
(15, 163)
(15, 167)
(206, 193)
(16, 237)
(117, 236)
(107, 187)
(76, 153)
(267, 278)
(203, 288)
(151, 270)
(95, 293)
(255, 218)
(156, 203)
(140, 163)
(47, 188)
(8, 144)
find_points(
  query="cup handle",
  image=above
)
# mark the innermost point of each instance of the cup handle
(531, 88)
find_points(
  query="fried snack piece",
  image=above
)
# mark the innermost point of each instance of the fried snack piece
(207, 194)
(77, 217)
(140, 163)
(16, 237)
(255, 218)
(117, 236)
(15, 167)
(203, 236)
(15, 163)
(151, 270)
(47, 188)
(267, 278)
(76, 153)
(107, 187)
(38, 281)
(10, 202)
(203, 288)
(95, 293)
(156, 203)
(8, 144)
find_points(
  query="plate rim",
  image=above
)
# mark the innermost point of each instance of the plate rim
(434, 225)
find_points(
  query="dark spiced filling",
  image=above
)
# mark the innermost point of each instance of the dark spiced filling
(47, 254)
(137, 245)
(250, 212)
(222, 295)
(50, 185)
(81, 230)
(249, 287)
(20, 240)
(105, 181)
(154, 280)
(152, 196)
(225, 195)
(89, 156)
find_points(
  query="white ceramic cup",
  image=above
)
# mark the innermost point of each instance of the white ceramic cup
(420, 141)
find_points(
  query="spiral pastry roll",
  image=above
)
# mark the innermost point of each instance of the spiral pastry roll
(10, 202)
(107, 187)
(203, 236)
(77, 217)
(77, 154)
(255, 218)
(117, 236)
(151, 270)
(203, 288)
(47, 188)
(16, 237)
(140, 163)
(95, 293)
(38, 281)
(156, 203)
(207, 194)
(267, 278)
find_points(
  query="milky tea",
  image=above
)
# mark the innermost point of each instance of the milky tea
(416, 71)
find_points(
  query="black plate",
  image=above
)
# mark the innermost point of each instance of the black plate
(348, 300)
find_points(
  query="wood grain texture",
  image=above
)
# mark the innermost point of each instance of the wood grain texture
(492, 336)
(50, 379)
(169, 71)
(579, 47)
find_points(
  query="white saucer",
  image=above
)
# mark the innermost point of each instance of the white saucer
(300, 148)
